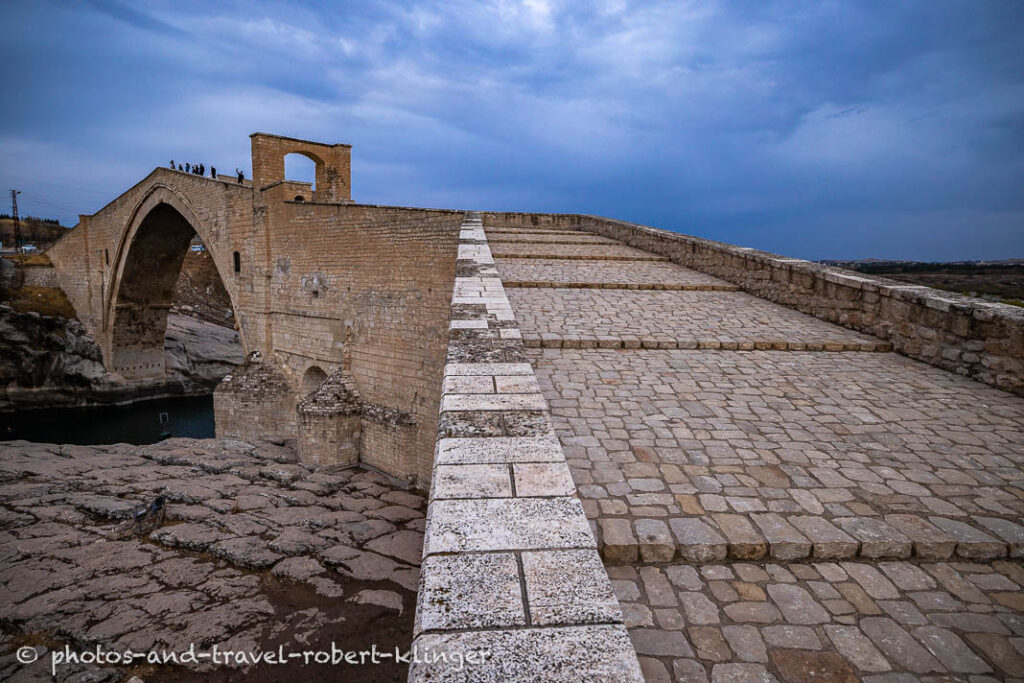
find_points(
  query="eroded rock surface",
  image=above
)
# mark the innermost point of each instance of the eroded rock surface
(253, 553)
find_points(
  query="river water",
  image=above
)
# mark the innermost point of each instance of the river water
(138, 423)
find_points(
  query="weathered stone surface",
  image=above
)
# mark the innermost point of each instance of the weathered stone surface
(568, 587)
(205, 580)
(951, 651)
(971, 543)
(877, 539)
(797, 605)
(470, 591)
(828, 542)
(403, 545)
(800, 665)
(1012, 533)
(698, 542)
(471, 481)
(784, 541)
(899, 646)
(619, 544)
(506, 524)
(655, 542)
(929, 542)
(566, 655)
(745, 543)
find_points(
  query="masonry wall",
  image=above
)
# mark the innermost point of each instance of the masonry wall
(384, 444)
(328, 439)
(256, 417)
(374, 283)
(982, 340)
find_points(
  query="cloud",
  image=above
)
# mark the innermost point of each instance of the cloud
(136, 18)
(776, 123)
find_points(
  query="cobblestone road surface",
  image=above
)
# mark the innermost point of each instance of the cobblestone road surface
(778, 514)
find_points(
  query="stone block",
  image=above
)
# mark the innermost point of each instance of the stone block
(877, 539)
(498, 450)
(558, 655)
(618, 543)
(784, 541)
(543, 479)
(492, 524)
(698, 542)
(471, 481)
(566, 587)
(828, 542)
(655, 541)
(480, 590)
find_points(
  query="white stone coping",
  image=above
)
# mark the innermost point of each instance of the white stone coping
(510, 564)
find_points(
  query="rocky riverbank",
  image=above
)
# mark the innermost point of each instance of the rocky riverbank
(253, 552)
(51, 360)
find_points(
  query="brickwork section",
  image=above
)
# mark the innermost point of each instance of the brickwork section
(713, 454)
(510, 564)
(588, 318)
(605, 275)
(826, 621)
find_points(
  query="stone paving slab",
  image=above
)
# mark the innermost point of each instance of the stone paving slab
(587, 318)
(787, 455)
(605, 275)
(827, 621)
(611, 252)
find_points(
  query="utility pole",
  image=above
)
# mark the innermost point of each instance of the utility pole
(17, 221)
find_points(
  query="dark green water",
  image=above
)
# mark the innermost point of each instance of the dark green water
(139, 423)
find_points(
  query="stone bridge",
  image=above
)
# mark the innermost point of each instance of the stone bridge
(735, 465)
(321, 287)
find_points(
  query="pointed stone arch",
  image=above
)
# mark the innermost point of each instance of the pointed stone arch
(143, 273)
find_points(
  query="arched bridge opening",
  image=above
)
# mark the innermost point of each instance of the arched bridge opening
(145, 289)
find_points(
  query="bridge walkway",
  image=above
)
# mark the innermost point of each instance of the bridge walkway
(772, 494)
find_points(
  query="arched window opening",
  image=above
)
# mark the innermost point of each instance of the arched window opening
(299, 198)
(313, 378)
(301, 168)
(238, 262)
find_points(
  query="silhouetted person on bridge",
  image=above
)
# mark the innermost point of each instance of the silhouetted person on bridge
(213, 172)
(241, 176)
(172, 164)
(202, 169)
(188, 168)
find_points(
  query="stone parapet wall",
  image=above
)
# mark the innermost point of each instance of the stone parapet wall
(510, 570)
(971, 337)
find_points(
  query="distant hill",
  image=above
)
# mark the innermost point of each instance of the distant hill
(1001, 280)
(41, 232)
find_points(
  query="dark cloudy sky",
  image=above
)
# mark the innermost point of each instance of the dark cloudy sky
(831, 129)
